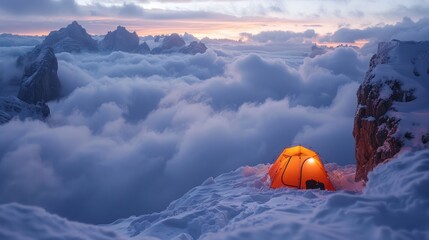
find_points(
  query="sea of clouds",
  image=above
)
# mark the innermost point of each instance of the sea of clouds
(133, 132)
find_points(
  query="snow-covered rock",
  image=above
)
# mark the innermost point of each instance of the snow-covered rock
(393, 104)
(194, 48)
(172, 43)
(120, 40)
(40, 82)
(189, 37)
(11, 107)
(19, 222)
(72, 38)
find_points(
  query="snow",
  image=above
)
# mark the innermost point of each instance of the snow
(369, 119)
(24, 223)
(240, 205)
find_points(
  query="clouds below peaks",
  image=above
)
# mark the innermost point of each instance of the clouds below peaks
(134, 132)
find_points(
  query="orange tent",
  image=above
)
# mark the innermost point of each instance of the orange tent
(299, 167)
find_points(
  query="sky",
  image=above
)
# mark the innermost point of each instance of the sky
(215, 19)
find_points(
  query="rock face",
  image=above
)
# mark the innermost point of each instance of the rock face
(40, 81)
(120, 40)
(194, 48)
(393, 104)
(11, 107)
(72, 38)
(171, 43)
(174, 43)
(142, 49)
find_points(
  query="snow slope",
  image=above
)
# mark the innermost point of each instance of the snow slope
(240, 205)
(23, 222)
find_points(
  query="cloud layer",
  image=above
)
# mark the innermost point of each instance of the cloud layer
(405, 30)
(134, 132)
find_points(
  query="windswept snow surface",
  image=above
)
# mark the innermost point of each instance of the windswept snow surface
(240, 205)
(22, 222)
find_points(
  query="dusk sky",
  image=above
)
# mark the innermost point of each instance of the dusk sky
(215, 19)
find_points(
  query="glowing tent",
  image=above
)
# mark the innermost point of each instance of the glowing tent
(299, 167)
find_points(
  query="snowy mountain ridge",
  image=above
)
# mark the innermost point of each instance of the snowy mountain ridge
(75, 39)
(72, 38)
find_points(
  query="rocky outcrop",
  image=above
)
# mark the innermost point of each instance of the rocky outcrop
(189, 37)
(172, 43)
(40, 81)
(194, 48)
(75, 39)
(393, 107)
(142, 48)
(72, 38)
(120, 40)
(11, 107)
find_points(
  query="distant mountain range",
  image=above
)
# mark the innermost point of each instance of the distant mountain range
(40, 83)
(75, 39)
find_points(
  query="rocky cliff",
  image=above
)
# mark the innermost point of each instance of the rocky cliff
(40, 81)
(142, 48)
(11, 107)
(172, 43)
(194, 48)
(393, 104)
(120, 40)
(175, 43)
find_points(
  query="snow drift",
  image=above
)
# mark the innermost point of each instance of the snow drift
(23, 222)
(240, 205)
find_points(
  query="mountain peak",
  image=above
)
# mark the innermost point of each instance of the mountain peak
(170, 43)
(121, 28)
(72, 38)
(75, 25)
(120, 40)
(40, 81)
